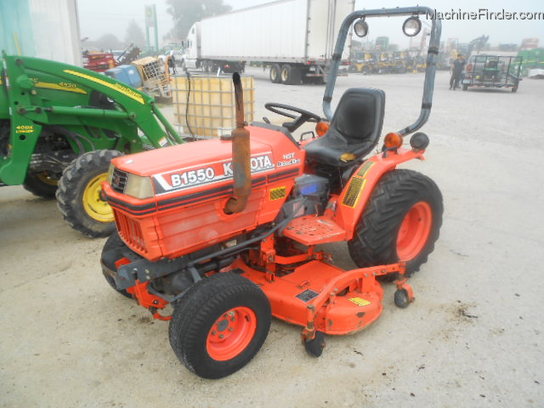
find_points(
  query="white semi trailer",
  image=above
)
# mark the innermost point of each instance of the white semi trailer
(294, 38)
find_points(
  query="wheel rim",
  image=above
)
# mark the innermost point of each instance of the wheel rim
(274, 74)
(95, 207)
(284, 75)
(46, 178)
(231, 333)
(414, 231)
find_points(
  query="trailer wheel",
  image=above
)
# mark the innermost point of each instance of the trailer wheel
(515, 88)
(42, 184)
(401, 222)
(113, 242)
(465, 87)
(275, 73)
(219, 325)
(290, 75)
(78, 195)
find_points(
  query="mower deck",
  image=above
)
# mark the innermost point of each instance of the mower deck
(322, 297)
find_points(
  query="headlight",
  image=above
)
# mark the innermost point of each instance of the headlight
(110, 173)
(412, 26)
(138, 186)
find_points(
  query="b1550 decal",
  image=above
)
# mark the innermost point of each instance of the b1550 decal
(213, 173)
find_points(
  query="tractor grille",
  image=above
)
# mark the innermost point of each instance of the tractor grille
(119, 180)
(131, 232)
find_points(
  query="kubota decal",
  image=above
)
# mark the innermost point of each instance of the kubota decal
(215, 172)
(289, 159)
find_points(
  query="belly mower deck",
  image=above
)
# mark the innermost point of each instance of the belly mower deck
(314, 294)
(324, 298)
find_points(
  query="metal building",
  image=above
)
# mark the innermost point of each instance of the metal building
(41, 28)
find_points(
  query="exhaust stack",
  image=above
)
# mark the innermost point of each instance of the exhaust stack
(241, 168)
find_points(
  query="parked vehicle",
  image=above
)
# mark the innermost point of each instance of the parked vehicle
(364, 62)
(229, 231)
(299, 52)
(101, 61)
(492, 71)
(60, 125)
(532, 59)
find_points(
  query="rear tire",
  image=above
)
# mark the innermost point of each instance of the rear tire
(401, 222)
(41, 184)
(78, 195)
(290, 75)
(275, 74)
(219, 325)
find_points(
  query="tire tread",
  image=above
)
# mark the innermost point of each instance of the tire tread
(374, 242)
(69, 192)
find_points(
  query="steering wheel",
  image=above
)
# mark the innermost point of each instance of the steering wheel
(304, 115)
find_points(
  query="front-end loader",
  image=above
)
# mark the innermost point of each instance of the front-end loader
(60, 126)
(229, 231)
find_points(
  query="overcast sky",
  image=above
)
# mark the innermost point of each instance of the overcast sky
(99, 17)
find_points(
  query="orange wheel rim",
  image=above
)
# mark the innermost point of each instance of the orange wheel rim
(414, 231)
(231, 333)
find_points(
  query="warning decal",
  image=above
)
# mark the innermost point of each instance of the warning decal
(359, 301)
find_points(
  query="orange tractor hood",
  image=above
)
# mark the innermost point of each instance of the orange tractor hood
(184, 156)
(192, 184)
(194, 165)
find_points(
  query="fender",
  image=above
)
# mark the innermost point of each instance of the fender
(355, 196)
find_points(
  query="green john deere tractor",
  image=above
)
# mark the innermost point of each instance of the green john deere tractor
(60, 126)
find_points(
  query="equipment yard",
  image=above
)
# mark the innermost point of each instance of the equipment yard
(472, 338)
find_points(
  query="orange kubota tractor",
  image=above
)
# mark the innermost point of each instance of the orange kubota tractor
(227, 231)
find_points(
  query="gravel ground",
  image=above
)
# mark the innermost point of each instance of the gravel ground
(473, 337)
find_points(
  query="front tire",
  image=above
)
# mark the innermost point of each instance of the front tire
(219, 325)
(113, 242)
(78, 194)
(401, 222)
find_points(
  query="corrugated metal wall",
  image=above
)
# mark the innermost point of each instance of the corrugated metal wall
(41, 28)
(15, 35)
(56, 30)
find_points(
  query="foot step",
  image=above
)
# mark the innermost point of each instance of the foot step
(312, 230)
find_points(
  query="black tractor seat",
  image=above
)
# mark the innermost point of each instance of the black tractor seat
(354, 130)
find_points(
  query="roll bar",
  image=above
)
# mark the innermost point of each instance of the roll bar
(430, 70)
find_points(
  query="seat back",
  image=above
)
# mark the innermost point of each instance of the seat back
(358, 119)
